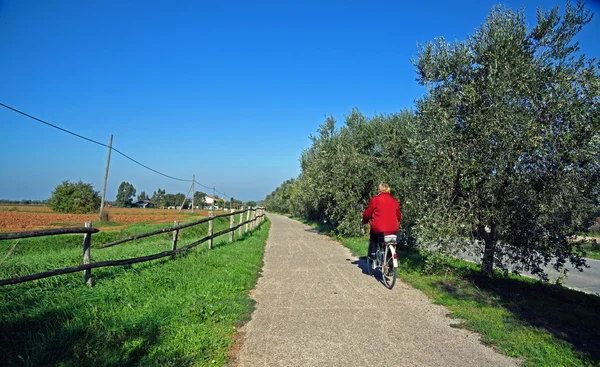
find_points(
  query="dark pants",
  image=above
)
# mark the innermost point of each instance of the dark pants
(375, 239)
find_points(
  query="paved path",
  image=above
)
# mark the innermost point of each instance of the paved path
(316, 307)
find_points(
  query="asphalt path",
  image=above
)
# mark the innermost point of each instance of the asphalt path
(316, 305)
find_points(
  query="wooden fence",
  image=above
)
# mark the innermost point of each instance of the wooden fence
(254, 217)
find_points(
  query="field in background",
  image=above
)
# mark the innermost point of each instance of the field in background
(24, 218)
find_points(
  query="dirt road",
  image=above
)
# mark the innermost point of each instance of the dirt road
(316, 307)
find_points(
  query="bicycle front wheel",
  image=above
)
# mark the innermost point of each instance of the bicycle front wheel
(388, 271)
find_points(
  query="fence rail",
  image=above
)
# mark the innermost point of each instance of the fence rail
(47, 232)
(257, 218)
(171, 229)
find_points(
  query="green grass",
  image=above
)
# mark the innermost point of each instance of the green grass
(542, 324)
(165, 312)
(592, 251)
(589, 234)
(102, 223)
(592, 248)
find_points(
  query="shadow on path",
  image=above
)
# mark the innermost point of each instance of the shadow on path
(361, 263)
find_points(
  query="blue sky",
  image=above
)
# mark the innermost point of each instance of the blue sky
(228, 91)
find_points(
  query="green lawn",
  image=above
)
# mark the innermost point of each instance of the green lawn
(165, 312)
(542, 324)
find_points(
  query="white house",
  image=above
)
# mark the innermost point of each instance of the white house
(210, 200)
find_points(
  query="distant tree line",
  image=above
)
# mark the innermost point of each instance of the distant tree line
(504, 147)
(23, 202)
(80, 197)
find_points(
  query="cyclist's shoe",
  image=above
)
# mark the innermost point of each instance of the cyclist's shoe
(372, 256)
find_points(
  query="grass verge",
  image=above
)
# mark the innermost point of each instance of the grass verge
(542, 324)
(592, 249)
(166, 312)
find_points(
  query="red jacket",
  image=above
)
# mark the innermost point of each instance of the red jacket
(384, 210)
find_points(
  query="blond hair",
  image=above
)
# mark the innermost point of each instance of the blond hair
(384, 188)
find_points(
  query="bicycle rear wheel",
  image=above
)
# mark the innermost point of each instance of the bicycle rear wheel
(388, 271)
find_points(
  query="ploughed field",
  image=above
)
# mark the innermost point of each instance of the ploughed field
(14, 218)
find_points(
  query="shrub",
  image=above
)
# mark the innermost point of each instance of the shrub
(75, 198)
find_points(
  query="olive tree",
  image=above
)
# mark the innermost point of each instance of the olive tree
(509, 139)
(343, 167)
(281, 200)
(74, 198)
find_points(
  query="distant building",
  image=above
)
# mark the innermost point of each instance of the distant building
(209, 200)
(144, 204)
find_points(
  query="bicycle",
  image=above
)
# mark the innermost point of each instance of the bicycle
(386, 260)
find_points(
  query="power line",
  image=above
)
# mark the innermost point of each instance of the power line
(151, 169)
(54, 126)
(206, 187)
(93, 141)
(107, 146)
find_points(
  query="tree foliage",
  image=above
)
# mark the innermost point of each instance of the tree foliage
(142, 196)
(503, 149)
(200, 199)
(125, 194)
(173, 200)
(75, 198)
(343, 167)
(280, 200)
(509, 138)
(157, 197)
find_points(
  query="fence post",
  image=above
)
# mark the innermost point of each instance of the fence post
(241, 220)
(254, 219)
(175, 235)
(210, 229)
(231, 220)
(247, 218)
(87, 244)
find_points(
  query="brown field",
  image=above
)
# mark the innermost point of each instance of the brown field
(22, 218)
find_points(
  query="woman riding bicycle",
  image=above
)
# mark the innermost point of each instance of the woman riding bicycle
(384, 213)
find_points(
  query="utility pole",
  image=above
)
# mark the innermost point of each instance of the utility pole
(106, 174)
(193, 188)
(186, 197)
(213, 206)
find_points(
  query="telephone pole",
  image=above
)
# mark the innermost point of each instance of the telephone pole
(106, 174)
(193, 188)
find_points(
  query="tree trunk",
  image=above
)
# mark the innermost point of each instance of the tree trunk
(491, 240)
(487, 263)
